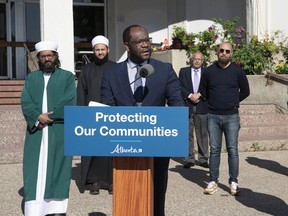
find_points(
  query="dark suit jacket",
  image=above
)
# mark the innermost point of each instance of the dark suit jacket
(162, 86)
(187, 88)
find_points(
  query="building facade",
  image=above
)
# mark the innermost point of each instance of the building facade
(73, 24)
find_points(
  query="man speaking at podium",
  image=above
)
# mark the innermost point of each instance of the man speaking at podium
(157, 86)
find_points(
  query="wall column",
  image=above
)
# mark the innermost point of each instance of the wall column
(57, 25)
(258, 16)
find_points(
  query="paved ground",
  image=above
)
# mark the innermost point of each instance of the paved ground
(263, 181)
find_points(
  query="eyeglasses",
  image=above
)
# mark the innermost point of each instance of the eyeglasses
(197, 59)
(49, 56)
(226, 51)
(140, 42)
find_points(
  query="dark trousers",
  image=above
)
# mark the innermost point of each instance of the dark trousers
(161, 165)
(199, 124)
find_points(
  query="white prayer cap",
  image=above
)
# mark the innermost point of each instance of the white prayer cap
(100, 40)
(46, 45)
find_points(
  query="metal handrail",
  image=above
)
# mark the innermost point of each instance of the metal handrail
(283, 79)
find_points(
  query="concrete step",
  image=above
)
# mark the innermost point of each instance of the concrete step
(12, 130)
(275, 130)
(11, 156)
(11, 82)
(248, 109)
(11, 121)
(10, 92)
(11, 113)
(263, 127)
(12, 141)
(12, 88)
(11, 149)
(264, 119)
(10, 101)
(263, 143)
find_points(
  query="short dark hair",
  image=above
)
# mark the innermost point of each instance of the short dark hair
(126, 33)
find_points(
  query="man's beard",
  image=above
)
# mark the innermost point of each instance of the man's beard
(48, 66)
(101, 61)
(224, 61)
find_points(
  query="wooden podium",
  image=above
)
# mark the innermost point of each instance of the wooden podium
(133, 186)
(115, 132)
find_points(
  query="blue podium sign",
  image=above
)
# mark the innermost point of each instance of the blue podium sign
(126, 131)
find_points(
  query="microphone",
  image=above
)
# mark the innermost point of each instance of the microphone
(146, 70)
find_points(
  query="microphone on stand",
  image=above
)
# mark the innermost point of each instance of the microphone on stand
(145, 71)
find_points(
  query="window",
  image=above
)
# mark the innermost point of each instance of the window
(32, 22)
(89, 21)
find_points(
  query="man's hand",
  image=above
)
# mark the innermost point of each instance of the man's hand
(195, 97)
(44, 120)
(41, 126)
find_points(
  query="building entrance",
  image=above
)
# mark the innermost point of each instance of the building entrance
(20, 26)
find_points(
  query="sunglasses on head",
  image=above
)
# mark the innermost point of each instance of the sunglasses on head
(226, 51)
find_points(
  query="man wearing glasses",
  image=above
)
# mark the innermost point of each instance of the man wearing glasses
(224, 85)
(46, 171)
(190, 79)
(158, 89)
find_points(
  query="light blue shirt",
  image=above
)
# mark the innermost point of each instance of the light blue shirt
(132, 70)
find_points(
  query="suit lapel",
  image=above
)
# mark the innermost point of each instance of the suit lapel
(124, 78)
(189, 79)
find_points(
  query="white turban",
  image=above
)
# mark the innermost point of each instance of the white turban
(100, 40)
(46, 45)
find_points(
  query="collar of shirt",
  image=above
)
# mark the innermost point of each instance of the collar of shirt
(131, 64)
(193, 69)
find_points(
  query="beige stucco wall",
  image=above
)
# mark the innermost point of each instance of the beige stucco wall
(263, 92)
(159, 20)
(178, 58)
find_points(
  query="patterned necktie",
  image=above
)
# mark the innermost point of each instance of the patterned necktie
(138, 88)
(196, 81)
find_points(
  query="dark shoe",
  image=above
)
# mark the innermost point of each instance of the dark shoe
(205, 164)
(189, 164)
(94, 190)
(110, 189)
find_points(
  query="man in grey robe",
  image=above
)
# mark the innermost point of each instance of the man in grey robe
(96, 172)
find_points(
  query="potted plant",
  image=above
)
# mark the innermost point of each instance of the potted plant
(178, 36)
